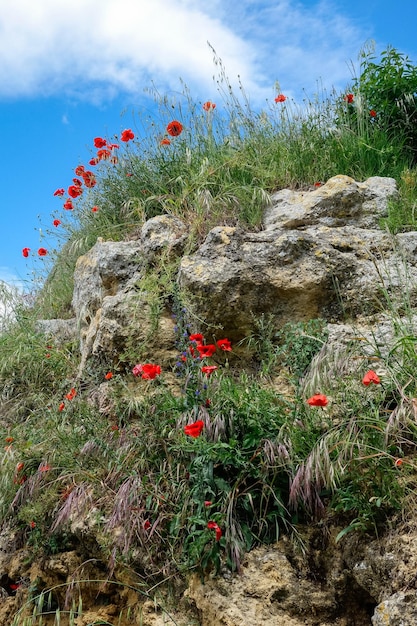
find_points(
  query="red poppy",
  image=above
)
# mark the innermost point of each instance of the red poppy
(74, 191)
(349, 97)
(61, 406)
(89, 179)
(207, 350)
(71, 394)
(77, 182)
(371, 377)
(146, 524)
(372, 113)
(148, 371)
(113, 146)
(318, 400)
(68, 206)
(42, 251)
(318, 184)
(20, 466)
(56, 222)
(94, 209)
(114, 427)
(14, 586)
(79, 170)
(114, 160)
(103, 154)
(44, 468)
(32, 524)
(109, 375)
(25, 252)
(127, 135)
(194, 429)
(59, 192)
(93, 161)
(208, 369)
(207, 503)
(174, 128)
(197, 337)
(207, 106)
(99, 142)
(214, 526)
(398, 462)
(165, 142)
(9, 439)
(280, 98)
(224, 344)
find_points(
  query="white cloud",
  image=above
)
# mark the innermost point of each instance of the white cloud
(96, 48)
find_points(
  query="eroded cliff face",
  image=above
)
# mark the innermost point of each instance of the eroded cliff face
(320, 253)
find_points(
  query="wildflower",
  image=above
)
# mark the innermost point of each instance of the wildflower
(318, 184)
(103, 154)
(372, 113)
(214, 526)
(109, 375)
(74, 191)
(56, 222)
(68, 206)
(99, 142)
(94, 209)
(208, 369)
(207, 350)
(61, 406)
(59, 192)
(25, 252)
(146, 524)
(207, 503)
(197, 337)
(113, 146)
(208, 402)
(349, 97)
(207, 106)
(44, 468)
(32, 524)
(93, 161)
(371, 377)
(148, 371)
(15, 586)
(79, 170)
(71, 394)
(77, 182)
(398, 462)
(174, 128)
(280, 98)
(127, 135)
(9, 439)
(20, 466)
(47, 355)
(89, 179)
(42, 251)
(165, 142)
(194, 429)
(224, 344)
(318, 400)
(114, 427)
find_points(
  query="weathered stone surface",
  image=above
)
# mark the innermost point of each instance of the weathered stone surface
(60, 331)
(400, 609)
(163, 233)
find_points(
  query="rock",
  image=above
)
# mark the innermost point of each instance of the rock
(58, 330)
(400, 609)
(163, 233)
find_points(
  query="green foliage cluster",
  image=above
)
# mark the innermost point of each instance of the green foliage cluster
(265, 460)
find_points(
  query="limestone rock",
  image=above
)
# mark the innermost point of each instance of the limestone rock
(163, 232)
(400, 609)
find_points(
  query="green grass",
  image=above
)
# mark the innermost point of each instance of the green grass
(265, 460)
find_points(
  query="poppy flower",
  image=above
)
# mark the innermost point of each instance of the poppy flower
(71, 394)
(146, 524)
(113, 146)
(318, 184)
(59, 192)
(109, 375)
(194, 429)
(32, 524)
(127, 135)
(280, 98)
(44, 468)
(349, 97)
(94, 209)
(214, 526)
(371, 377)
(74, 191)
(99, 142)
(93, 161)
(25, 252)
(207, 350)
(77, 182)
(68, 206)
(372, 113)
(103, 154)
(165, 142)
(15, 586)
(207, 503)
(197, 337)
(42, 251)
(398, 462)
(79, 170)
(148, 371)
(207, 106)
(318, 400)
(208, 369)
(56, 222)
(174, 128)
(61, 406)
(9, 439)
(224, 344)
(89, 179)
(20, 466)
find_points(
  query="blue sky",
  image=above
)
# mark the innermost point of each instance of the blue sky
(71, 70)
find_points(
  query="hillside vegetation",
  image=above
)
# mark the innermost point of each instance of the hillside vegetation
(179, 495)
